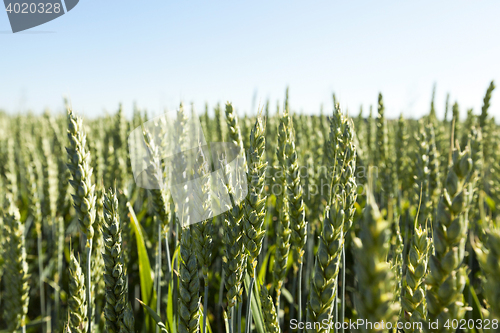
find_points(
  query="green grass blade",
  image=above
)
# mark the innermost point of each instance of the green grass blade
(145, 272)
(155, 317)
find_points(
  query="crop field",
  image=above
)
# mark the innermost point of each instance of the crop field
(337, 222)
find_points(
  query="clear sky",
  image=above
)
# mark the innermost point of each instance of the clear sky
(159, 53)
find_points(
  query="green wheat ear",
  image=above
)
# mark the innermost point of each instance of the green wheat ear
(77, 302)
(254, 207)
(375, 299)
(203, 231)
(234, 259)
(114, 274)
(326, 269)
(79, 166)
(283, 232)
(97, 263)
(269, 312)
(413, 300)
(447, 275)
(189, 285)
(298, 224)
(233, 126)
(488, 256)
(128, 321)
(16, 293)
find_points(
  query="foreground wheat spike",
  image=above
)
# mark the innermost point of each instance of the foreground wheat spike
(254, 207)
(375, 300)
(269, 311)
(97, 264)
(326, 268)
(343, 180)
(413, 300)
(283, 231)
(16, 293)
(84, 197)
(203, 231)
(255, 202)
(81, 172)
(156, 174)
(447, 275)
(189, 285)
(347, 172)
(114, 275)
(128, 321)
(342, 154)
(488, 255)
(234, 260)
(298, 224)
(77, 302)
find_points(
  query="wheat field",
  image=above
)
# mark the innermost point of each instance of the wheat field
(349, 224)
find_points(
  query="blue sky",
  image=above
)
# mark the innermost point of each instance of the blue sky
(160, 53)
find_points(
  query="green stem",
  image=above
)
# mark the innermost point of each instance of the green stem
(249, 308)
(221, 291)
(158, 284)
(40, 273)
(49, 319)
(342, 299)
(335, 304)
(169, 264)
(278, 298)
(205, 304)
(310, 256)
(238, 327)
(471, 276)
(299, 295)
(226, 323)
(221, 287)
(60, 253)
(176, 268)
(294, 289)
(89, 281)
(231, 319)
